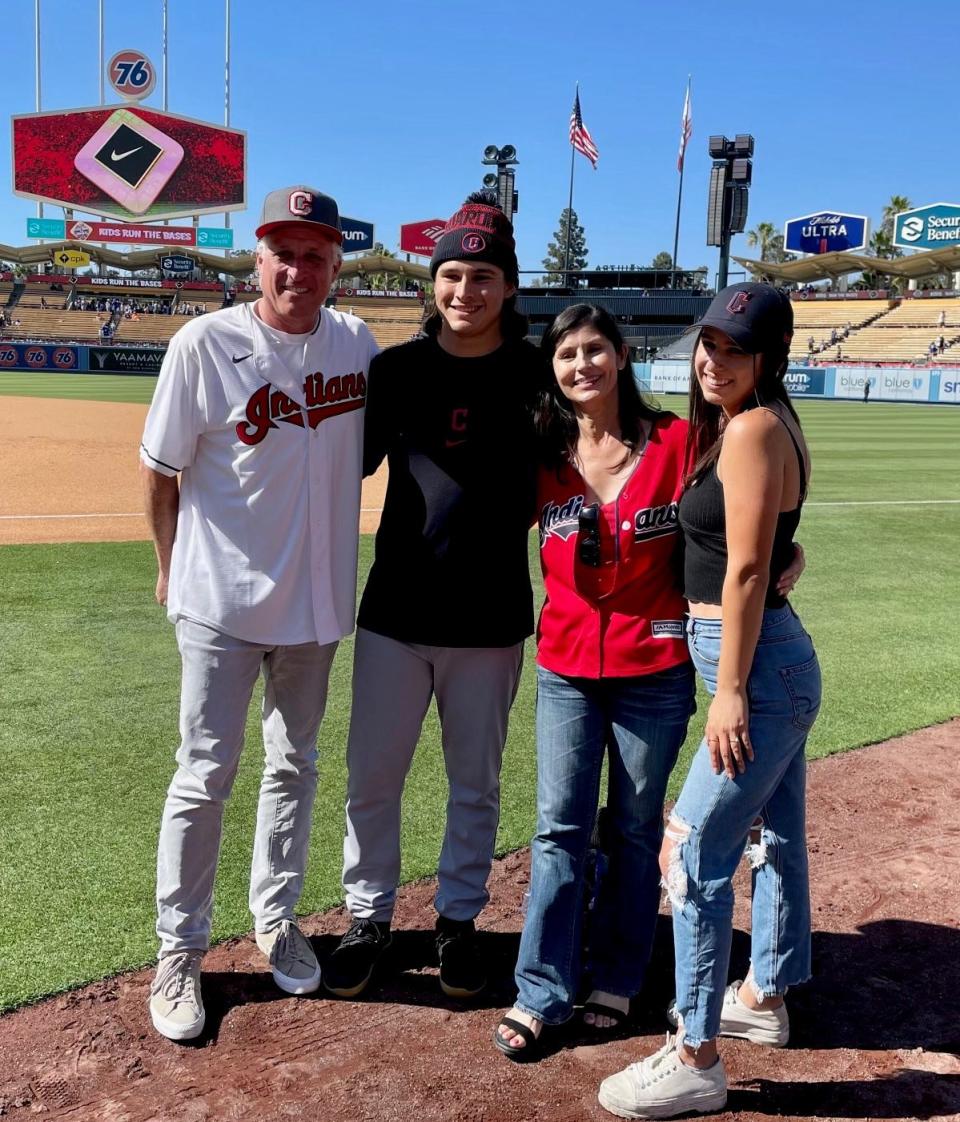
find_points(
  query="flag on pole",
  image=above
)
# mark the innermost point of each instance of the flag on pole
(580, 138)
(686, 129)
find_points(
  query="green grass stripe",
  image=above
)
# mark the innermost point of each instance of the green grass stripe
(79, 387)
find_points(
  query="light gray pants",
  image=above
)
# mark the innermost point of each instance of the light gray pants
(219, 673)
(392, 686)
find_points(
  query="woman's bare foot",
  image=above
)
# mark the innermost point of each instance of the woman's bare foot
(612, 1001)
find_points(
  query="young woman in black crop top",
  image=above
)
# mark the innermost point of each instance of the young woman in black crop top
(747, 482)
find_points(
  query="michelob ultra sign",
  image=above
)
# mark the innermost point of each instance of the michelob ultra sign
(827, 231)
(928, 227)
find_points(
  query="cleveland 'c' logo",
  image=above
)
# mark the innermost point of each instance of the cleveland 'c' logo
(300, 203)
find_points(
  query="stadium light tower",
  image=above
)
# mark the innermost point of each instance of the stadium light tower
(504, 159)
(730, 179)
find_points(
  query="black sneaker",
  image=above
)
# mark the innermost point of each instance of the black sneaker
(351, 966)
(462, 973)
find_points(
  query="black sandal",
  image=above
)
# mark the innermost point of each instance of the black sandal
(512, 1051)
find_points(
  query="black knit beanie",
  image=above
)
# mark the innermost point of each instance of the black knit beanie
(478, 231)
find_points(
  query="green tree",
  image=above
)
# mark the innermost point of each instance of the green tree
(663, 260)
(762, 235)
(897, 204)
(554, 261)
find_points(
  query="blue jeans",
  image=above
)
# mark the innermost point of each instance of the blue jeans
(714, 816)
(642, 723)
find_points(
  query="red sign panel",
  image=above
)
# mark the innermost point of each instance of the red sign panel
(130, 234)
(421, 237)
(123, 161)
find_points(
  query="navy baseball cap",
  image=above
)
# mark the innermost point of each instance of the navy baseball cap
(757, 317)
(289, 206)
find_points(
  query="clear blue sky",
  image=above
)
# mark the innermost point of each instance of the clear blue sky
(389, 106)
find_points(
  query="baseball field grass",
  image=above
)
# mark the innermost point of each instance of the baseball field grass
(88, 705)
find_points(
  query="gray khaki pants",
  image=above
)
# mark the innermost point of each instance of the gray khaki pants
(392, 686)
(219, 673)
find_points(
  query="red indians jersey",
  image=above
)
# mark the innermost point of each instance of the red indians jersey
(624, 617)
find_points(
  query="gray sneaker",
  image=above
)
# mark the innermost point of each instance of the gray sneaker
(294, 965)
(760, 1026)
(176, 1007)
(662, 1086)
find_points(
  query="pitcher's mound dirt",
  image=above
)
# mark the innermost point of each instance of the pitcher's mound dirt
(875, 1035)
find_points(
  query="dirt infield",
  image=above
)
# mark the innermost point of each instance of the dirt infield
(69, 473)
(876, 1034)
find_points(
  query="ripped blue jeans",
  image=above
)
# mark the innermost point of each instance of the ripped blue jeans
(711, 826)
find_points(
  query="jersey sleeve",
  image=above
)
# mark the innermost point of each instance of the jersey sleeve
(175, 418)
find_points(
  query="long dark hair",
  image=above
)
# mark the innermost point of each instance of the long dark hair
(555, 419)
(707, 421)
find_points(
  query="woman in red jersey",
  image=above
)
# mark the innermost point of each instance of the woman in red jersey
(613, 672)
(614, 675)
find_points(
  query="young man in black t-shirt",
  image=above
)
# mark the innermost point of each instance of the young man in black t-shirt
(448, 602)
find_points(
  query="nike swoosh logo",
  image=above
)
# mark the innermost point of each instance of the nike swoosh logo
(240, 358)
(454, 443)
(123, 155)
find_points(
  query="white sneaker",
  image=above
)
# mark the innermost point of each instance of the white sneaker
(760, 1026)
(662, 1086)
(294, 965)
(176, 1007)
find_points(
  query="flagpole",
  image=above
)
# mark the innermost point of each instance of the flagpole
(683, 164)
(676, 231)
(566, 252)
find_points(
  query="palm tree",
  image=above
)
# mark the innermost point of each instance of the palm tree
(763, 236)
(897, 204)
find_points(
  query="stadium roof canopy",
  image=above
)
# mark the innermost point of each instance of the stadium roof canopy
(822, 266)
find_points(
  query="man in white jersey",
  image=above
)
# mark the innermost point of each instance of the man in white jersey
(259, 407)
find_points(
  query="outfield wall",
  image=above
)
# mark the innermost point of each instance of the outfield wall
(74, 359)
(930, 385)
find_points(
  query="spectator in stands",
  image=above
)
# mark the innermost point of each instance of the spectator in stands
(43, 302)
(942, 318)
(811, 344)
(932, 349)
(866, 389)
(941, 344)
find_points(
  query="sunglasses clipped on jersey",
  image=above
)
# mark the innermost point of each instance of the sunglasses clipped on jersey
(588, 536)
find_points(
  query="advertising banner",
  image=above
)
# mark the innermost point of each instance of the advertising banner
(803, 381)
(129, 161)
(357, 235)
(71, 258)
(928, 227)
(392, 294)
(174, 263)
(949, 386)
(128, 233)
(887, 383)
(827, 231)
(667, 377)
(38, 356)
(125, 360)
(421, 237)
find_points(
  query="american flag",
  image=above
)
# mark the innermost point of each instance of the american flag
(580, 137)
(686, 129)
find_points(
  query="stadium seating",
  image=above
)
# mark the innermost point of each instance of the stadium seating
(54, 323)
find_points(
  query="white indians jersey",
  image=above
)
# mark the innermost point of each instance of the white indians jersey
(267, 430)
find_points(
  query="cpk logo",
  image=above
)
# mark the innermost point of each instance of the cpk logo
(64, 358)
(8, 356)
(35, 356)
(300, 203)
(325, 397)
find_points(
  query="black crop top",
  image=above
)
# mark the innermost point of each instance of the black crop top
(703, 522)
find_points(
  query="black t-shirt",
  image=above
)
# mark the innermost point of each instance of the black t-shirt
(451, 567)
